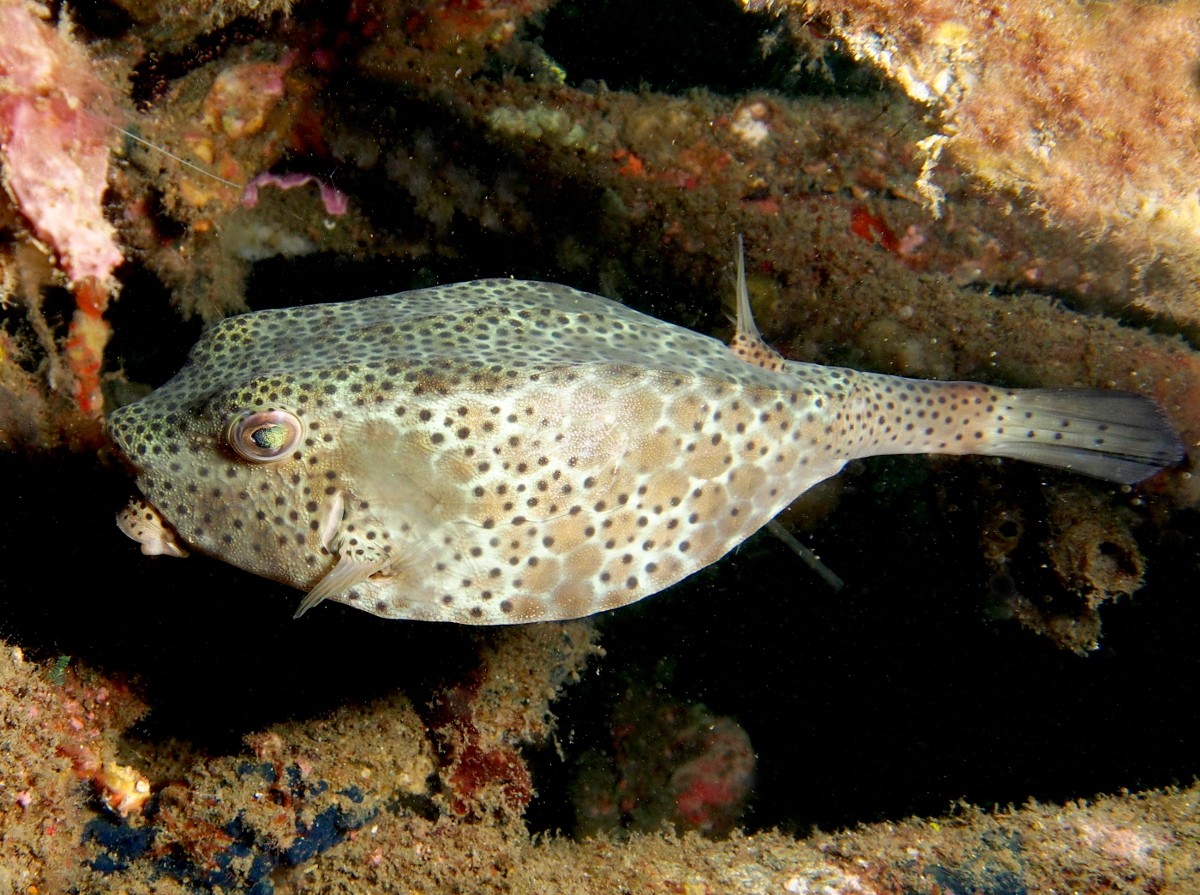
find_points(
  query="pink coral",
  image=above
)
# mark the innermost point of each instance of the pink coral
(55, 141)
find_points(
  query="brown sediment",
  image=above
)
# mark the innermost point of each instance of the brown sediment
(1091, 110)
(352, 799)
(1057, 557)
(846, 265)
(62, 733)
(178, 27)
(301, 789)
(478, 722)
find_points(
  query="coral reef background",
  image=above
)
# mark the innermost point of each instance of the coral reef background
(1089, 110)
(169, 728)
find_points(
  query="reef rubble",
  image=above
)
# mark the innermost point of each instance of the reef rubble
(245, 155)
(1088, 109)
(361, 797)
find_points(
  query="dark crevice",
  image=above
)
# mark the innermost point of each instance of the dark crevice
(671, 48)
(1125, 312)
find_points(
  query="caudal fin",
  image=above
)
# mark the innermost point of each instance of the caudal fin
(1111, 435)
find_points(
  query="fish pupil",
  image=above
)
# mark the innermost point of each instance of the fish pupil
(269, 438)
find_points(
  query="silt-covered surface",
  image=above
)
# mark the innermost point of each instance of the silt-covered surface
(1005, 634)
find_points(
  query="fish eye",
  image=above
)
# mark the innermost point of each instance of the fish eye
(261, 436)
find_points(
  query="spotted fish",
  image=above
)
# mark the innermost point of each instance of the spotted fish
(503, 451)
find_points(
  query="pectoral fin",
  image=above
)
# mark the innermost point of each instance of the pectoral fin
(145, 524)
(348, 572)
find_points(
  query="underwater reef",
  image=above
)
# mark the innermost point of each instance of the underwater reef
(1089, 110)
(363, 797)
(998, 702)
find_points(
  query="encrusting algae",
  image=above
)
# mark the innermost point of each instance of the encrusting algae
(256, 153)
(1090, 108)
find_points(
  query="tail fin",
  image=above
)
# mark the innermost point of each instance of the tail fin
(1111, 435)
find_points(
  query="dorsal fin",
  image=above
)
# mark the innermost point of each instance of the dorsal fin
(747, 342)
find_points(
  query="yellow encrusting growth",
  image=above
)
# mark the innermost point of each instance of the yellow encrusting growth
(1089, 109)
